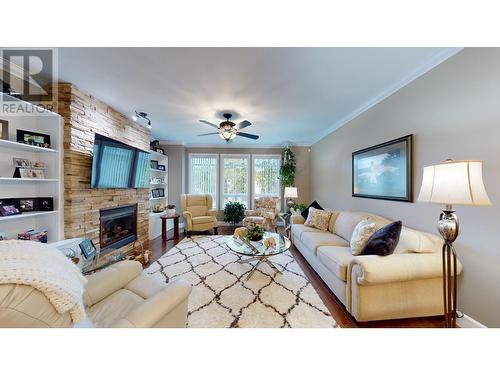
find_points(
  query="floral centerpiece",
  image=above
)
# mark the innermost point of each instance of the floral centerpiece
(255, 233)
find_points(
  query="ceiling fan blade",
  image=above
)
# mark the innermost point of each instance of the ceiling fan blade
(213, 133)
(246, 135)
(244, 124)
(209, 123)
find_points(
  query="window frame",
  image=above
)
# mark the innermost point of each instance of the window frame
(264, 156)
(215, 199)
(248, 157)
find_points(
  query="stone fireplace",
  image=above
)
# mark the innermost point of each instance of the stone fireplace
(118, 227)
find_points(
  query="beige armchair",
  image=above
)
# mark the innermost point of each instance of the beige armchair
(198, 213)
(265, 213)
(119, 296)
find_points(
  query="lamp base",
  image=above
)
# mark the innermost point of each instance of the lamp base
(448, 227)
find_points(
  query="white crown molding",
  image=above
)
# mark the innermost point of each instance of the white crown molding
(435, 61)
(239, 145)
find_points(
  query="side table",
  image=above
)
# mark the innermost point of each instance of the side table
(285, 217)
(164, 219)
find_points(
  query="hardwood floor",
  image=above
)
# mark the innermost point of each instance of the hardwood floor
(336, 308)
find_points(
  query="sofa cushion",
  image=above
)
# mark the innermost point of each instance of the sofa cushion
(336, 259)
(314, 204)
(318, 219)
(414, 241)
(333, 219)
(299, 229)
(113, 308)
(346, 222)
(203, 220)
(361, 235)
(384, 241)
(313, 240)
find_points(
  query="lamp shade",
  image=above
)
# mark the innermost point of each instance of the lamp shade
(291, 192)
(454, 182)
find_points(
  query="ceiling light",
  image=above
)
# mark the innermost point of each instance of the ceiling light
(144, 116)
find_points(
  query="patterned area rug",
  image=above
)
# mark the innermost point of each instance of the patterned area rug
(221, 296)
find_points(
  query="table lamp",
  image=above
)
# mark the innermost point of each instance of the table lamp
(291, 193)
(452, 182)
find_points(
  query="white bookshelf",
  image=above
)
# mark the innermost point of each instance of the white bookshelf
(51, 185)
(154, 217)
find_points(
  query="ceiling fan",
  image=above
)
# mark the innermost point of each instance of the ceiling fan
(228, 130)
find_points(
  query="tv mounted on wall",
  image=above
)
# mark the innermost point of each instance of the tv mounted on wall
(116, 165)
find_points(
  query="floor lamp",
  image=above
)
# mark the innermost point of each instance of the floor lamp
(454, 182)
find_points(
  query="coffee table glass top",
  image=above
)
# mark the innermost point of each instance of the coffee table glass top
(257, 248)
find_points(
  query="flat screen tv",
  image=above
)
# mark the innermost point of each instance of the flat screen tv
(116, 165)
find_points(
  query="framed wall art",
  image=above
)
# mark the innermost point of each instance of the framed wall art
(384, 171)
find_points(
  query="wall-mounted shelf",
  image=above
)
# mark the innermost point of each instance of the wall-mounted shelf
(13, 179)
(21, 146)
(154, 199)
(157, 170)
(25, 215)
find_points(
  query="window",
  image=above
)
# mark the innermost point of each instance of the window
(266, 181)
(203, 172)
(235, 178)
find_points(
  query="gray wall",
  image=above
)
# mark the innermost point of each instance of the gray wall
(453, 112)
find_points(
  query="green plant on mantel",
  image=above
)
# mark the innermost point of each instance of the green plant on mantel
(287, 169)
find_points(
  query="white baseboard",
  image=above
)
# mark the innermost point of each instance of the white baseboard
(467, 322)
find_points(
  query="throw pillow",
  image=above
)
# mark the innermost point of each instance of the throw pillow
(384, 241)
(360, 236)
(318, 219)
(314, 204)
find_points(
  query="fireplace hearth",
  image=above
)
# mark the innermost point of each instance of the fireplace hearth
(118, 227)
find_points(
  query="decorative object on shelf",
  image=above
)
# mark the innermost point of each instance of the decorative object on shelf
(34, 235)
(3, 236)
(156, 180)
(154, 164)
(291, 194)
(158, 207)
(4, 129)
(21, 163)
(28, 173)
(170, 209)
(287, 169)
(160, 150)
(27, 204)
(234, 212)
(88, 249)
(255, 232)
(452, 182)
(38, 165)
(9, 210)
(384, 171)
(33, 138)
(154, 144)
(161, 167)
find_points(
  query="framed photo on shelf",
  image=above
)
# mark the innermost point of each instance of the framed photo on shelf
(45, 204)
(21, 163)
(32, 138)
(154, 193)
(154, 164)
(160, 150)
(161, 167)
(27, 204)
(88, 248)
(161, 192)
(31, 173)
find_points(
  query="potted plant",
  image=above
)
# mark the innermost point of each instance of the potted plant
(170, 209)
(234, 212)
(298, 208)
(255, 233)
(287, 169)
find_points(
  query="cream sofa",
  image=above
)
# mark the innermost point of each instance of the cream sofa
(119, 296)
(406, 284)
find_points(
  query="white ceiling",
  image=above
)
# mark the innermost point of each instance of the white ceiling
(291, 95)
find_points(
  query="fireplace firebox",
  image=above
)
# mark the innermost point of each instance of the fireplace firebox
(118, 227)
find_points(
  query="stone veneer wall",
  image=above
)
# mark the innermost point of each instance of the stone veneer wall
(83, 116)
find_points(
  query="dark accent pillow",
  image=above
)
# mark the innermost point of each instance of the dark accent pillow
(384, 241)
(313, 205)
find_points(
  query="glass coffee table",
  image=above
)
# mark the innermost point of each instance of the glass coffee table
(257, 251)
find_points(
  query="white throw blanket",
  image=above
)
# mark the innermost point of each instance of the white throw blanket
(46, 269)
